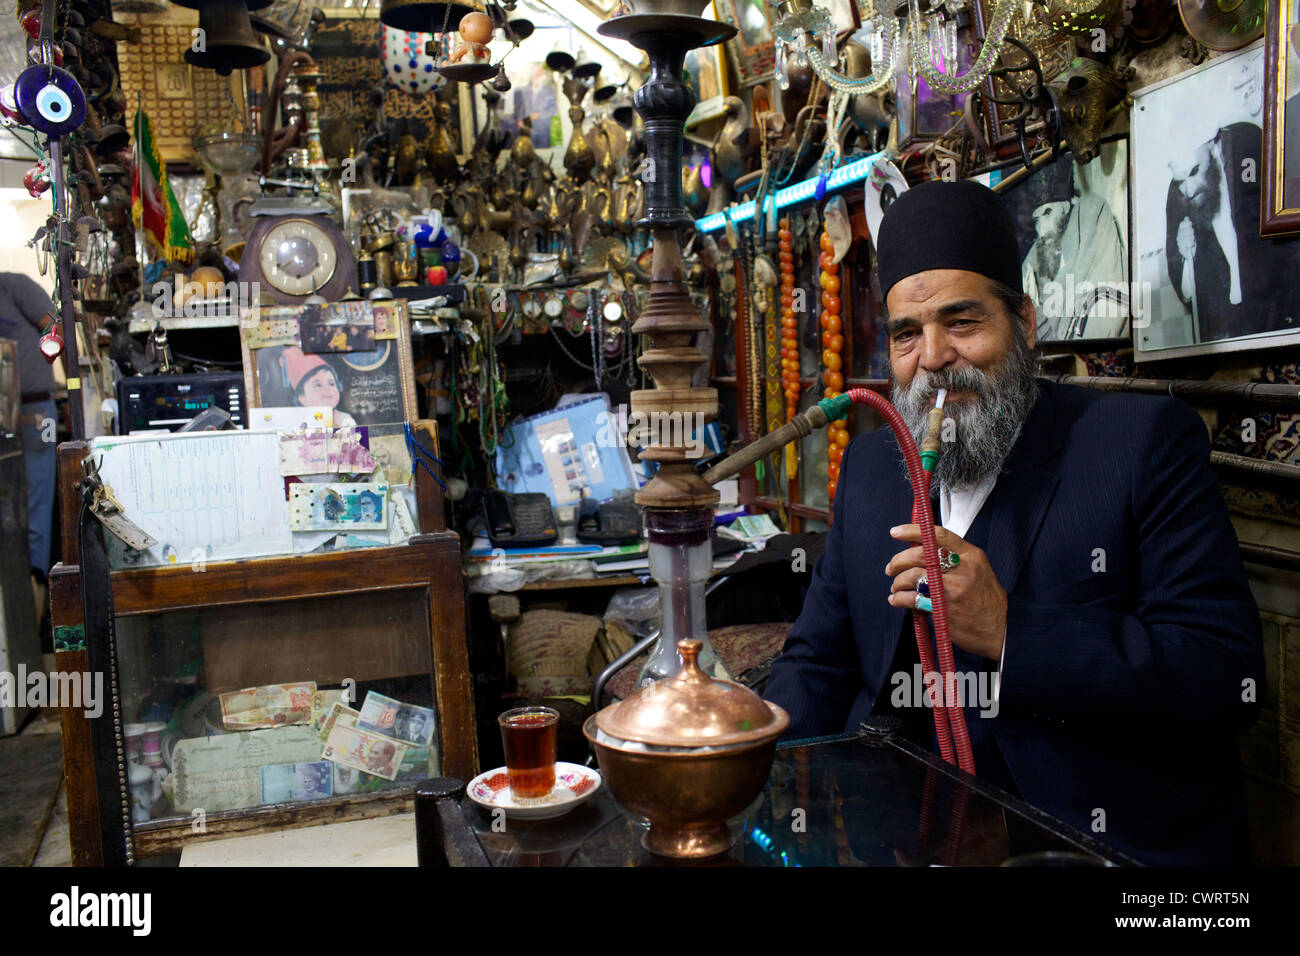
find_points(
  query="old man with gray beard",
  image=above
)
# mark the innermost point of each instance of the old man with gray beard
(1093, 577)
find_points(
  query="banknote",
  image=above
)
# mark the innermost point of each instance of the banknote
(339, 713)
(297, 781)
(322, 702)
(264, 328)
(415, 765)
(374, 753)
(409, 723)
(347, 453)
(420, 763)
(272, 705)
(224, 772)
(349, 506)
(387, 444)
(305, 452)
(348, 779)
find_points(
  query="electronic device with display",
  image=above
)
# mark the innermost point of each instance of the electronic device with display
(163, 403)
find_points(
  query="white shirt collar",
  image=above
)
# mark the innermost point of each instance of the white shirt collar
(960, 508)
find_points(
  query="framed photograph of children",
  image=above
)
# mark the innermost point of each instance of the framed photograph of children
(374, 387)
(1072, 222)
(1280, 211)
(1213, 283)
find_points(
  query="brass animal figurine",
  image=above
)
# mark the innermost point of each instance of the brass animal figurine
(1086, 91)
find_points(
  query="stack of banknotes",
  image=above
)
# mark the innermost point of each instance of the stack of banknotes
(294, 742)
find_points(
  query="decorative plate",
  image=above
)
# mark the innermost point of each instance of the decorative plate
(574, 784)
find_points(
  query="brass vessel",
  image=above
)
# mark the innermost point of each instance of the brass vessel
(439, 153)
(406, 264)
(579, 158)
(688, 795)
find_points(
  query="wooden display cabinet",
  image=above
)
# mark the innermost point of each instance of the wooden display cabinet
(370, 615)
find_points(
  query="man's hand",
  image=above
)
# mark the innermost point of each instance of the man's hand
(977, 604)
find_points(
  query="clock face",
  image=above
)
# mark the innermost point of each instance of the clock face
(297, 257)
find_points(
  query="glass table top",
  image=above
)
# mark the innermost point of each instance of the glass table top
(835, 801)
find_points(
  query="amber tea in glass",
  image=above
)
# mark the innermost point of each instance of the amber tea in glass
(528, 735)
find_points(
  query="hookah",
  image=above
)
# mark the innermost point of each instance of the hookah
(678, 501)
(949, 721)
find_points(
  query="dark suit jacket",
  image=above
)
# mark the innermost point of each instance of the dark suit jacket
(1122, 688)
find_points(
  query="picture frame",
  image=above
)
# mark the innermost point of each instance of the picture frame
(1074, 227)
(925, 115)
(1213, 284)
(1280, 210)
(705, 70)
(753, 48)
(372, 388)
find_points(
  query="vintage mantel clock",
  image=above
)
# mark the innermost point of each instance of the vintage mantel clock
(295, 250)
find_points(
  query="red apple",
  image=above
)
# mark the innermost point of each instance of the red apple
(437, 275)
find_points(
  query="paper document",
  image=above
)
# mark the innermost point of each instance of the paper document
(207, 496)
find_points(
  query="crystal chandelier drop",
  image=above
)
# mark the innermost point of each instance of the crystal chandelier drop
(798, 28)
(931, 44)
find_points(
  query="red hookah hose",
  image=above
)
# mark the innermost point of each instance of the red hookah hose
(949, 721)
(922, 632)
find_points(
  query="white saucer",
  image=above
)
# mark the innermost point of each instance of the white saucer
(574, 785)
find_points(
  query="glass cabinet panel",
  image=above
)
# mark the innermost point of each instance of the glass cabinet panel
(352, 671)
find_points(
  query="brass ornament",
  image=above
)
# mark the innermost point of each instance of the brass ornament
(579, 158)
(1086, 92)
(440, 155)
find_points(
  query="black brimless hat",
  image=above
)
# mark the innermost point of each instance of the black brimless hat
(948, 225)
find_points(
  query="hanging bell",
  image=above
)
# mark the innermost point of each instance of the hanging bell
(502, 82)
(225, 40)
(560, 61)
(518, 30)
(424, 16)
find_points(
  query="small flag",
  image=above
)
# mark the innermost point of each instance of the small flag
(153, 204)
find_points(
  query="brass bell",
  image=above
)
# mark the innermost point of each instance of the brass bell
(423, 16)
(226, 40)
